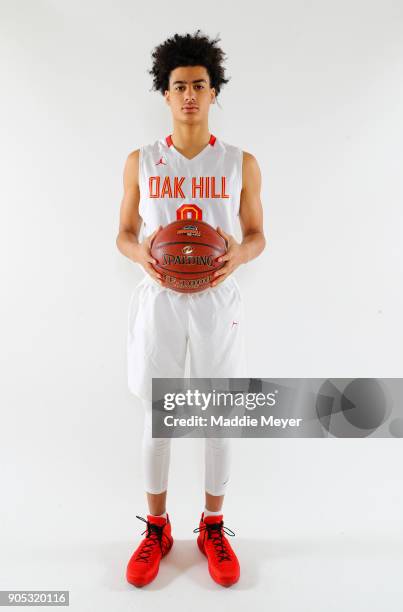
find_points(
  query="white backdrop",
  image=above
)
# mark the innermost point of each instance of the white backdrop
(316, 96)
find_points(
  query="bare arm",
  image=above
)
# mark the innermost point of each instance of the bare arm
(251, 210)
(130, 220)
(251, 219)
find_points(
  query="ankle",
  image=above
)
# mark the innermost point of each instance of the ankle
(162, 515)
(208, 512)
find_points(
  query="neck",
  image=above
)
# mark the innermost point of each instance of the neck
(190, 136)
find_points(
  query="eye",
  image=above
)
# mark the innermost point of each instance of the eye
(199, 86)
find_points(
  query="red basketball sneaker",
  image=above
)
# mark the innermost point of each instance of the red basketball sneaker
(145, 561)
(223, 564)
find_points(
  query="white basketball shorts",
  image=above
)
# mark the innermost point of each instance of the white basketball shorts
(163, 324)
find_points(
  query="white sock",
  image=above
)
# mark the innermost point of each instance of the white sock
(211, 513)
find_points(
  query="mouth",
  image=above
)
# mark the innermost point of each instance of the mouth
(190, 109)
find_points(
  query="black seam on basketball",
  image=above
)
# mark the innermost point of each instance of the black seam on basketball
(190, 243)
(180, 272)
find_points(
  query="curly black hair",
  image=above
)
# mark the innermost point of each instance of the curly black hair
(188, 50)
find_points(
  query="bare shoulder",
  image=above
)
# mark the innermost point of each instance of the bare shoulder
(131, 170)
(134, 155)
(133, 158)
(250, 167)
(249, 160)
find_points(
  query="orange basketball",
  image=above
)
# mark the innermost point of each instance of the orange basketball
(186, 252)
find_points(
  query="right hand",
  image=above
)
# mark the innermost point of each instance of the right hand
(144, 258)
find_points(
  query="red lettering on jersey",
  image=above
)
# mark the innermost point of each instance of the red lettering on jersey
(213, 192)
(223, 184)
(189, 211)
(178, 193)
(151, 181)
(203, 187)
(198, 186)
(166, 188)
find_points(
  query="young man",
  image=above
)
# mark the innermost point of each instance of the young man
(168, 180)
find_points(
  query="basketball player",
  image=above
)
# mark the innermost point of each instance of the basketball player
(189, 174)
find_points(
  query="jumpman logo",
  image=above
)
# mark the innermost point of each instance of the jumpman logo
(161, 162)
(234, 323)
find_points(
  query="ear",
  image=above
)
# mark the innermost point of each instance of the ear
(166, 96)
(213, 95)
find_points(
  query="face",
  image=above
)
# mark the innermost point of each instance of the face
(190, 95)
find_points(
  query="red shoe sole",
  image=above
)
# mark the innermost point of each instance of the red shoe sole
(141, 583)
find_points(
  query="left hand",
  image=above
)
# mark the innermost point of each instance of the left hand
(233, 258)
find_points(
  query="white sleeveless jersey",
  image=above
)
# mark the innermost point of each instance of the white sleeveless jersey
(206, 187)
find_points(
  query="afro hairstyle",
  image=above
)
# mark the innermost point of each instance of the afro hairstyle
(188, 50)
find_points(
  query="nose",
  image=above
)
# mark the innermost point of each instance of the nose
(190, 95)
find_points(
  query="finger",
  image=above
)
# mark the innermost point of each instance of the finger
(223, 234)
(224, 266)
(219, 280)
(150, 270)
(151, 260)
(221, 231)
(224, 270)
(221, 272)
(225, 257)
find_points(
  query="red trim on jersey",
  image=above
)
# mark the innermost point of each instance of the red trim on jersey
(169, 142)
